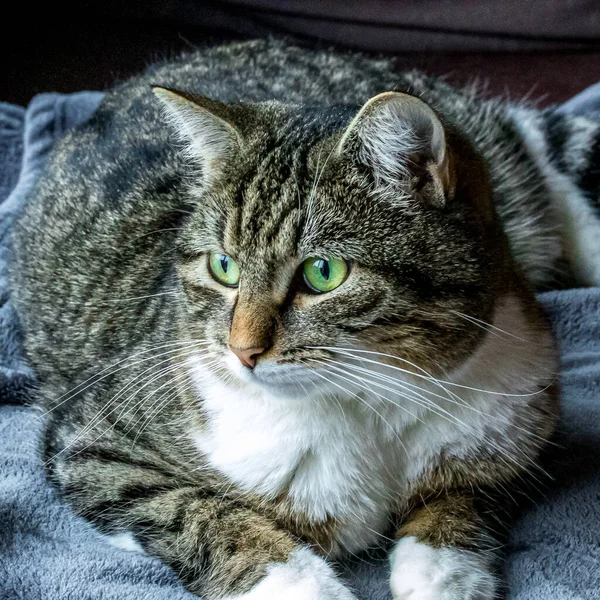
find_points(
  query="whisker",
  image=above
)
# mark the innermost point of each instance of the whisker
(159, 231)
(158, 405)
(436, 409)
(126, 409)
(363, 383)
(461, 403)
(316, 184)
(312, 187)
(348, 352)
(137, 407)
(486, 326)
(429, 405)
(94, 378)
(168, 293)
(184, 375)
(104, 432)
(347, 391)
(293, 172)
(111, 403)
(429, 377)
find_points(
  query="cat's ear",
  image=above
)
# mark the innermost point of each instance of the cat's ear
(203, 126)
(403, 142)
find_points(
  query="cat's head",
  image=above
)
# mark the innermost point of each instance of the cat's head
(326, 238)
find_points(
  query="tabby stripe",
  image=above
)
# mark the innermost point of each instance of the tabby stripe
(589, 178)
(557, 133)
(105, 455)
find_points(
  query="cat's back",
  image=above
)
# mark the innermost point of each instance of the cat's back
(272, 70)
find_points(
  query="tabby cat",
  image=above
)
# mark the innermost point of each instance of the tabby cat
(281, 305)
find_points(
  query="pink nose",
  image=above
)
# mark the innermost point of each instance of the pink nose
(247, 356)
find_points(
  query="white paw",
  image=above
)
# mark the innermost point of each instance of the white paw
(305, 576)
(421, 572)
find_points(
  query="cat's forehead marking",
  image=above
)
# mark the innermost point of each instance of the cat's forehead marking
(263, 232)
(266, 221)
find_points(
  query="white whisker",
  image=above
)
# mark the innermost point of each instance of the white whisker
(101, 415)
(95, 379)
(428, 376)
(362, 400)
(315, 186)
(486, 326)
(169, 293)
(438, 410)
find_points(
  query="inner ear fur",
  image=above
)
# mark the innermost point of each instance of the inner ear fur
(204, 125)
(402, 140)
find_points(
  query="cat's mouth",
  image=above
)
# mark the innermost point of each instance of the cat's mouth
(286, 379)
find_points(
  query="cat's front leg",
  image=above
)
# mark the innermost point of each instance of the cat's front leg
(220, 548)
(441, 553)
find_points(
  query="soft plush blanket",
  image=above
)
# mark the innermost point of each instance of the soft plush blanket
(48, 553)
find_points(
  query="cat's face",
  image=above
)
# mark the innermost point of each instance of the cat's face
(304, 252)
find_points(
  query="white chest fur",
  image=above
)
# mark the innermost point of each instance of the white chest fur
(334, 461)
(344, 459)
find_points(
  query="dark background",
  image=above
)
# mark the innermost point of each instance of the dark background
(547, 50)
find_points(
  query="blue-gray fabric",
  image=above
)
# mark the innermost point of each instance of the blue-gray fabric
(13, 372)
(48, 553)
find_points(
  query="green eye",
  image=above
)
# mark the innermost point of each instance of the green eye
(324, 274)
(224, 269)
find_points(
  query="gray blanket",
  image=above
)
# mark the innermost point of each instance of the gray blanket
(46, 552)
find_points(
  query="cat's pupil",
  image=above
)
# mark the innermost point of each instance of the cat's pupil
(224, 263)
(324, 268)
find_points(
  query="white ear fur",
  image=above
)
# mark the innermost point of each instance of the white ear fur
(401, 139)
(208, 137)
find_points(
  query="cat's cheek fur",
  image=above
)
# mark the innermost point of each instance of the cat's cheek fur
(422, 572)
(304, 576)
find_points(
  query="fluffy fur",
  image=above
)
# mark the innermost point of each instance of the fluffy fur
(399, 402)
(420, 572)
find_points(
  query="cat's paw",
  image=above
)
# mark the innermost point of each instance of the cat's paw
(305, 576)
(421, 572)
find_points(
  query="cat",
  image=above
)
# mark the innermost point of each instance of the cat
(280, 303)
